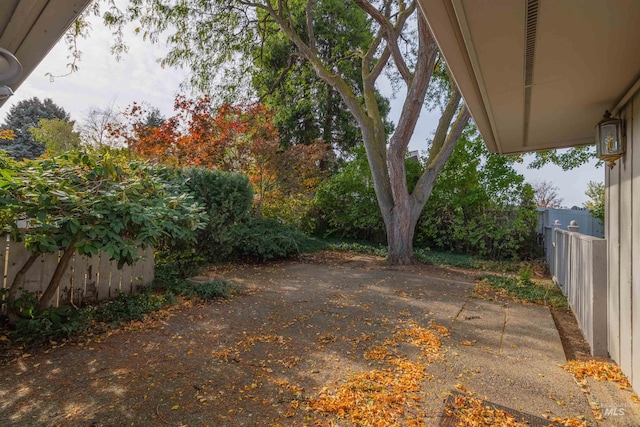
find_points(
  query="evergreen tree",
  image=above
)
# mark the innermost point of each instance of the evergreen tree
(24, 116)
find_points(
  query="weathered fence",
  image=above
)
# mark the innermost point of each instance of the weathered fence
(578, 264)
(87, 279)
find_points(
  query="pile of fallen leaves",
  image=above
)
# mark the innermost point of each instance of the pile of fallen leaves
(467, 410)
(601, 371)
(387, 396)
(470, 411)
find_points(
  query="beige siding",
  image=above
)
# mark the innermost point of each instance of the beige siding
(635, 238)
(613, 237)
(623, 235)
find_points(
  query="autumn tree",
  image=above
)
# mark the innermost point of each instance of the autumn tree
(217, 40)
(546, 195)
(231, 138)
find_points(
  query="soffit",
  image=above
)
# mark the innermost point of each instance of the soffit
(30, 28)
(583, 60)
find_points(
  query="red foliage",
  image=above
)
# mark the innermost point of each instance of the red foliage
(235, 138)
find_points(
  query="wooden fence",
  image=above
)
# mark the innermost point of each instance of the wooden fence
(578, 265)
(87, 279)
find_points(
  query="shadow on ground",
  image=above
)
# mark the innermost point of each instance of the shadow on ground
(298, 330)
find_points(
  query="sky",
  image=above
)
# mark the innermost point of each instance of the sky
(102, 81)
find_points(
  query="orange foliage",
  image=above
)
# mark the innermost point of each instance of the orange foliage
(7, 134)
(234, 138)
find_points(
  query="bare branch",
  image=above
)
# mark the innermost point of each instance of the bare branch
(443, 127)
(391, 33)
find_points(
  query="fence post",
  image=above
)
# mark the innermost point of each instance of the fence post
(554, 244)
(573, 226)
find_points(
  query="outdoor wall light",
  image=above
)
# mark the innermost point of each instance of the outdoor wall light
(609, 139)
(5, 92)
(10, 72)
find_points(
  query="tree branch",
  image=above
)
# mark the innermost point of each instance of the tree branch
(391, 33)
(17, 281)
(281, 77)
(327, 76)
(438, 159)
(310, 33)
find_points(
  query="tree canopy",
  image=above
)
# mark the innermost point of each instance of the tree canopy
(596, 202)
(23, 116)
(57, 135)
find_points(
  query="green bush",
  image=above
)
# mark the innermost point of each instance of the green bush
(51, 323)
(127, 307)
(346, 205)
(227, 198)
(479, 206)
(264, 239)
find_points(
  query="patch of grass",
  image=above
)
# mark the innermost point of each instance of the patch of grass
(527, 290)
(168, 280)
(464, 261)
(358, 247)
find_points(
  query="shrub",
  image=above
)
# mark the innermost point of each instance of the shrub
(50, 323)
(131, 307)
(227, 198)
(265, 239)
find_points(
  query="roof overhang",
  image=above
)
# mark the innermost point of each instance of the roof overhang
(30, 28)
(538, 74)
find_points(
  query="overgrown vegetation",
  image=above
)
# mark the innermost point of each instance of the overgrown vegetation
(523, 288)
(87, 202)
(64, 322)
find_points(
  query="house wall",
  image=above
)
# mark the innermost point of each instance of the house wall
(622, 230)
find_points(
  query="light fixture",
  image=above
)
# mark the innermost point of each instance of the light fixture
(10, 72)
(609, 139)
(5, 92)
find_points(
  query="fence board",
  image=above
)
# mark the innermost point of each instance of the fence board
(18, 255)
(126, 275)
(91, 279)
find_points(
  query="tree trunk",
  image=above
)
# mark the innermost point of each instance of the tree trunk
(400, 234)
(13, 289)
(54, 283)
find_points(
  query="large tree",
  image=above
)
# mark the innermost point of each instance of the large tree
(23, 116)
(306, 108)
(217, 39)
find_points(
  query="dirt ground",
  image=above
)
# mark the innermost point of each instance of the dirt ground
(292, 352)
